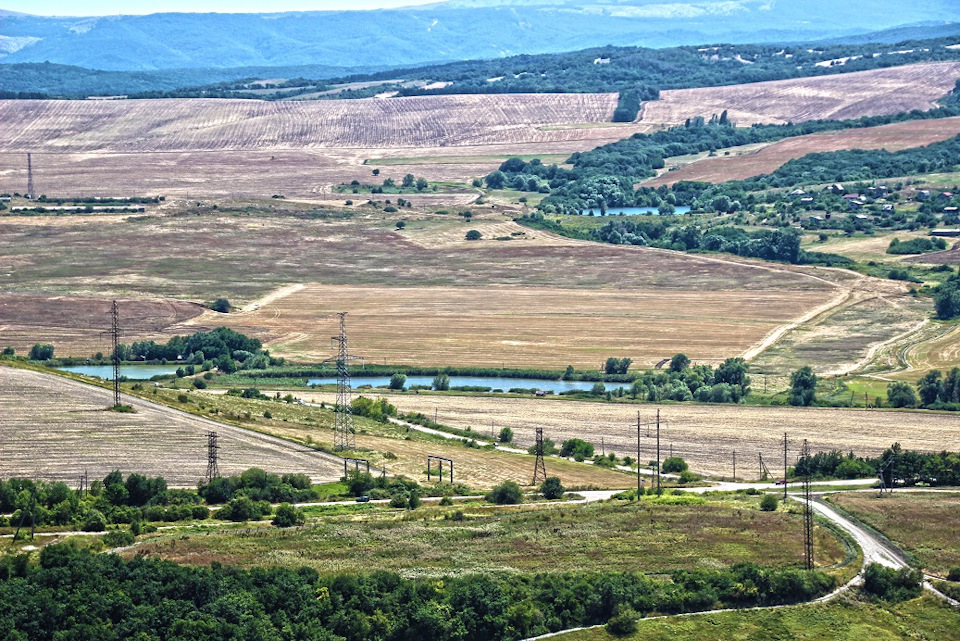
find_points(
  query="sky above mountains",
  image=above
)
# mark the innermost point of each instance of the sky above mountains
(143, 7)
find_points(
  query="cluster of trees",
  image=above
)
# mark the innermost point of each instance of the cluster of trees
(159, 599)
(223, 348)
(916, 245)
(40, 352)
(728, 383)
(402, 492)
(946, 298)
(906, 467)
(111, 500)
(617, 365)
(933, 391)
(257, 485)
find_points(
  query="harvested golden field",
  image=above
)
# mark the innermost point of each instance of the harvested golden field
(212, 125)
(766, 159)
(55, 428)
(704, 435)
(542, 327)
(248, 148)
(838, 97)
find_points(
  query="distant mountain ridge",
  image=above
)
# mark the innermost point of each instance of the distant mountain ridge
(456, 30)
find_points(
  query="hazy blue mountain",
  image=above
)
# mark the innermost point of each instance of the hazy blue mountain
(456, 30)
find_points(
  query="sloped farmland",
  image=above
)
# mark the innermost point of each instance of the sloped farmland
(56, 428)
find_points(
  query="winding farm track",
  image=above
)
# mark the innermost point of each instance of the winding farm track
(54, 428)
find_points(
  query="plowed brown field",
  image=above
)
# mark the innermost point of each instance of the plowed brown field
(901, 135)
(55, 428)
(840, 97)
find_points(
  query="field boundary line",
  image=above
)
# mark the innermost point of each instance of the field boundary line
(773, 337)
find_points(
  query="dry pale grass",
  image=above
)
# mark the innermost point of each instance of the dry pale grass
(941, 352)
(55, 429)
(839, 97)
(542, 327)
(901, 135)
(704, 435)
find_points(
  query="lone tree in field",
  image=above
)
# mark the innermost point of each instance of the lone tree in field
(803, 387)
(401, 224)
(674, 465)
(221, 305)
(473, 234)
(506, 435)
(679, 363)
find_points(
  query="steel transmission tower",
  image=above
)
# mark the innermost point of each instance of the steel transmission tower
(31, 188)
(539, 467)
(807, 509)
(213, 456)
(343, 437)
(115, 332)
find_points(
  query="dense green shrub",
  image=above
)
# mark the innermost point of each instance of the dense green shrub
(674, 465)
(623, 623)
(288, 516)
(552, 488)
(888, 584)
(769, 503)
(577, 448)
(507, 493)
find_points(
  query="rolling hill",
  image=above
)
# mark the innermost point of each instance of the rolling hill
(443, 31)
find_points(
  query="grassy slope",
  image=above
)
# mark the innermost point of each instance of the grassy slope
(925, 524)
(924, 618)
(654, 536)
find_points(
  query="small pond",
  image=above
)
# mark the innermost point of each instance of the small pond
(636, 211)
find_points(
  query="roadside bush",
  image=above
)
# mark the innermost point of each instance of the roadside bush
(552, 488)
(243, 508)
(413, 500)
(288, 516)
(577, 448)
(624, 622)
(507, 493)
(399, 500)
(506, 435)
(446, 501)
(769, 503)
(199, 383)
(953, 574)
(118, 538)
(887, 584)
(687, 476)
(674, 465)
(94, 521)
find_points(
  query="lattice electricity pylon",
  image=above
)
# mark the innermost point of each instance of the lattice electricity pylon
(115, 332)
(213, 456)
(807, 509)
(882, 474)
(31, 188)
(343, 435)
(539, 467)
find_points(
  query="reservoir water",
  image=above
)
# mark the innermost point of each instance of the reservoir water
(133, 372)
(637, 211)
